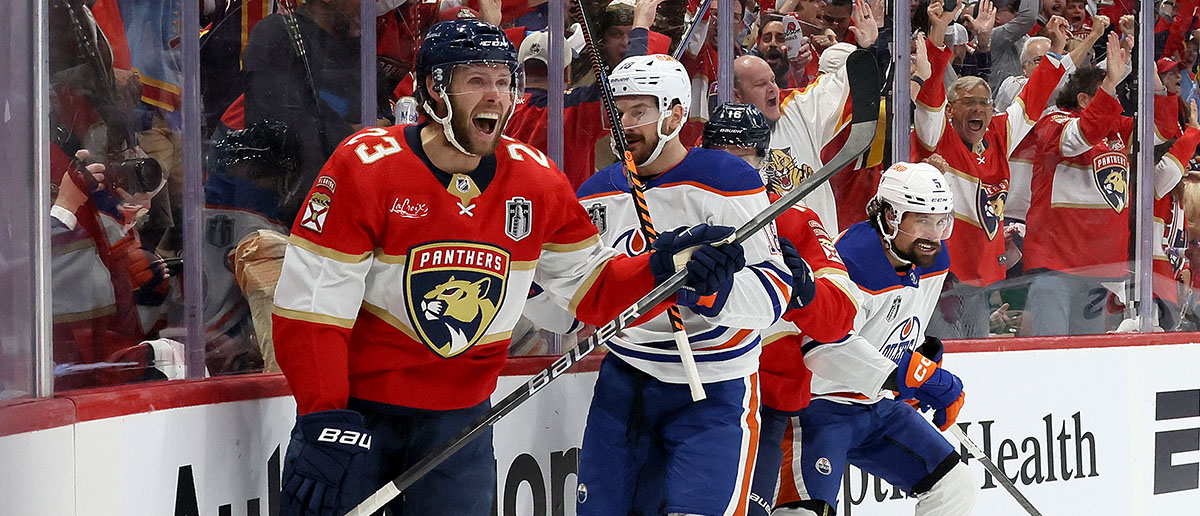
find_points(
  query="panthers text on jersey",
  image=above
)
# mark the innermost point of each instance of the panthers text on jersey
(894, 306)
(402, 283)
(716, 188)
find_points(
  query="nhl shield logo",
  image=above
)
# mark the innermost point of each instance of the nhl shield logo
(453, 290)
(989, 203)
(599, 215)
(518, 218)
(1112, 178)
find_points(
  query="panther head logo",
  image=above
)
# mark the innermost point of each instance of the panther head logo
(781, 172)
(453, 291)
(463, 301)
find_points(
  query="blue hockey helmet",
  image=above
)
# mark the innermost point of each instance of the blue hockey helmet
(734, 123)
(462, 41)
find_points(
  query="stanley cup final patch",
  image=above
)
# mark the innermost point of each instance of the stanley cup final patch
(518, 218)
(599, 215)
(315, 212)
(453, 291)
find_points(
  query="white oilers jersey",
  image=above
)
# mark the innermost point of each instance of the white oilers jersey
(716, 188)
(894, 308)
(224, 305)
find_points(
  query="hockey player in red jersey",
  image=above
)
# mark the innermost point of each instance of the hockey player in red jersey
(821, 308)
(407, 271)
(1081, 182)
(976, 147)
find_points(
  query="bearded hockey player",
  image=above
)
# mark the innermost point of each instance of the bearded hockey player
(897, 261)
(407, 270)
(648, 446)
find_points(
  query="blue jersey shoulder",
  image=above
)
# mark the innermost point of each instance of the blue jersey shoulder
(610, 179)
(715, 169)
(868, 264)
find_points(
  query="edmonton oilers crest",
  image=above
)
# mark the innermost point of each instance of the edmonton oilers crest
(903, 338)
(632, 242)
(452, 291)
(989, 202)
(1112, 178)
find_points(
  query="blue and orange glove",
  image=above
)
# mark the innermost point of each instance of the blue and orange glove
(922, 379)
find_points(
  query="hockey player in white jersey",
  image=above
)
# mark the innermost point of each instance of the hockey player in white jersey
(648, 448)
(897, 261)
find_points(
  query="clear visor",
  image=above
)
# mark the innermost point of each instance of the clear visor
(639, 117)
(486, 79)
(927, 226)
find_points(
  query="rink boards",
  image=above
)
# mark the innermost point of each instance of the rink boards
(1083, 430)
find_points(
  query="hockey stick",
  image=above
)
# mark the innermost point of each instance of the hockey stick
(864, 91)
(293, 27)
(994, 470)
(637, 189)
(683, 42)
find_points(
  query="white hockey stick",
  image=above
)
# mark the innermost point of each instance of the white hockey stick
(996, 472)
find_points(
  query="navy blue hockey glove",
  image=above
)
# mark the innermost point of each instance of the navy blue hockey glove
(804, 285)
(922, 379)
(709, 267)
(324, 471)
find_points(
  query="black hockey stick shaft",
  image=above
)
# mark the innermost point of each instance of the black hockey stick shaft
(996, 472)
(683, 42)
(862, 132)
(637, 188)
(293, 28)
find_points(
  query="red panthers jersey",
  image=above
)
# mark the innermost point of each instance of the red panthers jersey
(402, 283)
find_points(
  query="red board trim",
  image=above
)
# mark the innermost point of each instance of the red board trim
(22, 416)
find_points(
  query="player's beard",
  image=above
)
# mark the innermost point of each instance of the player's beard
(642, 145)
(466, 134)
(919, 259)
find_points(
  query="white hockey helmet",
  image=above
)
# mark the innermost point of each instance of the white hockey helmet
(659, 76)
(914, 188)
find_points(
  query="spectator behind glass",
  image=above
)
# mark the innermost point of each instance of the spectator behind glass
(1014, 19)
(1078, 221)
(320, 100)
(957, 132)
(771, 47)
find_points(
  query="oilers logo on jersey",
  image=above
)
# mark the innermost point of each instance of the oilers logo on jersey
(631, 242)
(1112, 178)
(990, 205)
(902, 338)
(453, 291)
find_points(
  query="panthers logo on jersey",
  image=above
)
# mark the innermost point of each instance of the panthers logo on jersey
(781, 172)
(453, 290)
(1112, 178)
(989, 202)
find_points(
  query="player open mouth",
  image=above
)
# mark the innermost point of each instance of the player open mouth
(486, 123)
(925, 246)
